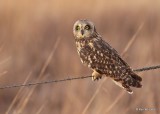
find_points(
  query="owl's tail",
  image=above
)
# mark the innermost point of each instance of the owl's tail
(132, 80)
(135, 81)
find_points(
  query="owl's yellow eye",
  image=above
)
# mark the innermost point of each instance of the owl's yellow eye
(77, 27)
(87, 27)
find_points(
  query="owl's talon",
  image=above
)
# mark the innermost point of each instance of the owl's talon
(96, 76)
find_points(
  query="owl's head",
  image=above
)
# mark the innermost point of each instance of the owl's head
(83, 29)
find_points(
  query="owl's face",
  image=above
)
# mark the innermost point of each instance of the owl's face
(83, 29)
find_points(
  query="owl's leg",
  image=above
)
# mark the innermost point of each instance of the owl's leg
(96, 76)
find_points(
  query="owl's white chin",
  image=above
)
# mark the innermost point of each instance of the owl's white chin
(80, 37)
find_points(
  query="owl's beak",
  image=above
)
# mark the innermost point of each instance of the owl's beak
(82, 32)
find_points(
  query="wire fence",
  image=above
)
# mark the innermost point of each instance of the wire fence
(69, 79)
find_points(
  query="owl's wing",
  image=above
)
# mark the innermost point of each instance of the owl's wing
(110, 52)
(113, 65)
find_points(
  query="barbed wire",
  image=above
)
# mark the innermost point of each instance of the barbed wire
(69, 79)
(147, 68)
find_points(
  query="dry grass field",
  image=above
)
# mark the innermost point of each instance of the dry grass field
(37, 44)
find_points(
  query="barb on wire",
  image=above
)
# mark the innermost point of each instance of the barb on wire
(72, 78)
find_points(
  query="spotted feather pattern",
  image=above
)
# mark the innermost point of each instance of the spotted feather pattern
(101, 57)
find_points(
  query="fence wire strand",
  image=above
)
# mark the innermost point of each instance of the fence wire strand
(69, 79)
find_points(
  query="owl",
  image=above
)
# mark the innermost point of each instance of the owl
(98, 55)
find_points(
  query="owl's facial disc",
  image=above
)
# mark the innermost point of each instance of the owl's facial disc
(83, 29)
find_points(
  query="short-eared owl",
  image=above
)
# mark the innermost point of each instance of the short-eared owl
(102, 58)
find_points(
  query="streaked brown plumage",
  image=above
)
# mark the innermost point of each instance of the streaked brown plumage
(101, 57)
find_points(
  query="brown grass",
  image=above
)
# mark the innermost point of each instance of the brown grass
(29, 34)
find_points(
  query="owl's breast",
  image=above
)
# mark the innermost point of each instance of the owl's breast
(88, 54)
(84, 51)
(93, 57)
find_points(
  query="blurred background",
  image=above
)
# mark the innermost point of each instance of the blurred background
(37, 44)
